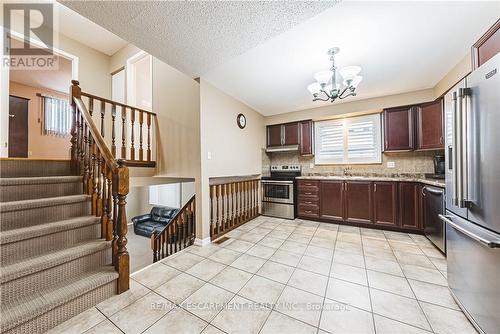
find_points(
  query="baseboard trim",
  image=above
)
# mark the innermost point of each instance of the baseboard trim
(202, 242)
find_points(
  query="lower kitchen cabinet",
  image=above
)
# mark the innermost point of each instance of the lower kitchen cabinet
(410, 204)
(385, 203)
(358, 202)
(332, 200)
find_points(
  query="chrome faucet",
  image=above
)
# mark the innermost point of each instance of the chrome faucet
(347, 171)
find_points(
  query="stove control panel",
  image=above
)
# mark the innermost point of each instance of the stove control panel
(285, 168)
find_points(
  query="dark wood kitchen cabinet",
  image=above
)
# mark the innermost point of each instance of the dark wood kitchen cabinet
(399, 127)
(358, 202)
(291, 134)
(331, 194)
(430, 125)
(274, 135)
(385, 203)
(308, 198)
(306, 138)
(410, 202)
(487, 46)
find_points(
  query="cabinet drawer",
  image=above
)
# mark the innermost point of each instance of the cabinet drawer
(308, 191)
(308, 210)
(308, 200)
(308, 183)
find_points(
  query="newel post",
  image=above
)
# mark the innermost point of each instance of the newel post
(120, 191)
(75, 92)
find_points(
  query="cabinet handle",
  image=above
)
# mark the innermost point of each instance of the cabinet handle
(441, 140)
(375, 187)
(308, 211)
(308, 193)
(308, 202)
(423, 191)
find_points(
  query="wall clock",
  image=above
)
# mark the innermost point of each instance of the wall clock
(241, 120)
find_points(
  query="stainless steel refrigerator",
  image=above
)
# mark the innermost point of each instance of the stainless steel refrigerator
(472, 122)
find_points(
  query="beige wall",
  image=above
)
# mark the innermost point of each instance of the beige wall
(458, 72)
(119, 59)
(367, 105)
(40, 146)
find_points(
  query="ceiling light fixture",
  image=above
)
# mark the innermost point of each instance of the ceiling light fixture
(327, 87)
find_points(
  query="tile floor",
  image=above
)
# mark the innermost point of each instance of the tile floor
(279, 276)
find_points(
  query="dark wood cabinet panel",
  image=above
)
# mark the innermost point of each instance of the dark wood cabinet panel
(430, 126)
(410, 205)
(291, 133)
(358, 202)
(308, 210)
(274, 135)
(385, 203)
(399, 129)
(331, 194)
(487, 46)
(306, 138)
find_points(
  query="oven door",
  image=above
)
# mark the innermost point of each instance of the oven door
(277, 191)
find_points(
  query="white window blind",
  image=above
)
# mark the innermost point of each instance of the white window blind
(57, 116)
(349, 141)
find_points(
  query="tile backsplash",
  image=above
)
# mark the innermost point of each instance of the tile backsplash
(405, 163)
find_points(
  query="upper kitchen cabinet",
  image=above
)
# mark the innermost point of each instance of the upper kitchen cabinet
(294, 136)
(274, 135)
(430, 126)
(398, 129)
(306, 138)
(487, 46)
(291, 134)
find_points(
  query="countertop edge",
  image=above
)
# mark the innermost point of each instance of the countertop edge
(440, 184)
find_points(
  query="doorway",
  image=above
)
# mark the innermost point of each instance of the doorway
(18, 127)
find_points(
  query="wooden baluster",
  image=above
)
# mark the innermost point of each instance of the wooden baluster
(113, 132)
(141, 120)
(252, 198)
(90, 161)
(256, 197)
(86, 155)
(76, 93)
(132, 148)
(91, 106)
(247, 205)
(81, 144)
(229, 194)
(148, 123)
(109, 229)
(212, 195)
(103, 110)
(238, 206)
(154, 245)
(120, 189)
(99, 189)
(104, 199)
(176, 235)
(94, 179)
(124, 147)
(233, 208)
(218, 215)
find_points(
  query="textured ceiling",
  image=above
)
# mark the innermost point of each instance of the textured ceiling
(196, 36)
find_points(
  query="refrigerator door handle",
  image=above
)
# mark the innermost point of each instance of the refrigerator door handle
(467, 140)
(482, 240)
(456, 148)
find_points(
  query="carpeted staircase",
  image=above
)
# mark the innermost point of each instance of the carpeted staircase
(53, 263)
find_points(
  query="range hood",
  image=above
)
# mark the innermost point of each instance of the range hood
(282, 148)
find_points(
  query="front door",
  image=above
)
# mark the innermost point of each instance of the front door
(18, 127)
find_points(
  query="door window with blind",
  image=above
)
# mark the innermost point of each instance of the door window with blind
(354, 140)
(57, 116)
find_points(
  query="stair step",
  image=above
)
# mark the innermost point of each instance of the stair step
(45, 309)
(24, 188)
(20, 214)
(28, 276)
(24, 243)
(34, 167)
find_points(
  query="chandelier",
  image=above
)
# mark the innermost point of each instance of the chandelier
(327, 86)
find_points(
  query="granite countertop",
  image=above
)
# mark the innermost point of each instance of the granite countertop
(405, 178)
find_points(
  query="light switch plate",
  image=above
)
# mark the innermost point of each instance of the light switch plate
(311, 165)
(391, 164)
(209, 155)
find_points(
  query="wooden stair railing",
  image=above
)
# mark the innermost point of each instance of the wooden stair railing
(105, 179)
(232, 204)
(178, 234)
(127, 130)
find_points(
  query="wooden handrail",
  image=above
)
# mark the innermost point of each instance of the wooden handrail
(177, 234)
(95, 97)
(105, 179)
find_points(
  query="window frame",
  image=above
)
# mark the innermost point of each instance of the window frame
(345, 122)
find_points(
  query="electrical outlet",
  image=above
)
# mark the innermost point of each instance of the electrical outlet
(311, 165)
(391, 164)
(209, 155)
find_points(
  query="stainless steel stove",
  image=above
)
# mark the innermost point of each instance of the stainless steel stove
(279, 191)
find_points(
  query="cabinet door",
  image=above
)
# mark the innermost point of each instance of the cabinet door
(358, 206)
(291, 133)
(274, 135)
(409, 205)
(430, 126)
(399, 129)
(306, 138)
(385, 203)
(331, 200)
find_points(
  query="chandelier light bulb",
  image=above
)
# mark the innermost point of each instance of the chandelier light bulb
(349, 72)
(314, 88)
